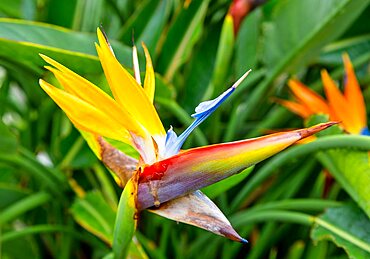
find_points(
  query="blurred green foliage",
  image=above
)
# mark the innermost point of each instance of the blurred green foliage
(57, 200)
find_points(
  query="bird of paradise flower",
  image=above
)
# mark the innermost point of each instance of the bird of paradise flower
(348, 108)
(165, 179)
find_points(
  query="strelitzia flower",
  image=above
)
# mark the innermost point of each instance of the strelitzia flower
(167, 180)
(348, 108)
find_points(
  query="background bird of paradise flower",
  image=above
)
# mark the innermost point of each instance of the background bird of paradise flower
(57, 200)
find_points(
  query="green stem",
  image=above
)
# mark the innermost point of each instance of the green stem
(117, 10)
(44, 176)
(274, 118)
(23, 205)
(233, 122)
(183, 117)
(271, 215)
(39, 229)
(281, 206)
(72, 152)
(324, 143)
(298, 204)
(106, 185)
(51, 172)
(125, 222)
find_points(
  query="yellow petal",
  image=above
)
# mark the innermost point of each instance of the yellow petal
(92, 141)
(88, 92)
(127, 92)
(85, 116)
(149, 82)
(353, 94)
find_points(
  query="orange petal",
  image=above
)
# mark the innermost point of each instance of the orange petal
(296, 108)
(338, 103)
(313, 101)
(353, 94)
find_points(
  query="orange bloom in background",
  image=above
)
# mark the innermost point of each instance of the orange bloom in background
(348, 108)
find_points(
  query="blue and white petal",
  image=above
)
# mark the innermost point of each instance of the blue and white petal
(202, 112)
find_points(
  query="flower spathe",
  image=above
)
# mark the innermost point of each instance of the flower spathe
(166, 177)
(348, 108)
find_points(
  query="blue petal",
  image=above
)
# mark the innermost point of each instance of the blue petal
(202, 112)
(171, 137)
(365, 131)
(207, 107)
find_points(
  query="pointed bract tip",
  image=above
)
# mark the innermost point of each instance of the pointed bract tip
(135, 62)
(133, 37)
(314, 129)
(231, 234)
(101, 29)
(44, 57)
(346, 58)
(241, 79)
(244, 241)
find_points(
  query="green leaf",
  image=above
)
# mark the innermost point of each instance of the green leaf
(126, 219)
(11, 8)
(137, 21)
(296, 250)
(247, 43)
(355, 47)
(351, 169)
(199, 69)
(61, 12)
(8, 141)
(181, 37)
(223, 58)
(88, 15)
(25, 247)
(155, 25)
(148, 24)
(10, 194)
(297, 30)
(94, 214)
(216, 189)
(348, 227)
(163, 89)
(21, 206)
(22, 41)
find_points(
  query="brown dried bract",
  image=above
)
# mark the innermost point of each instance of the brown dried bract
(122, 165)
